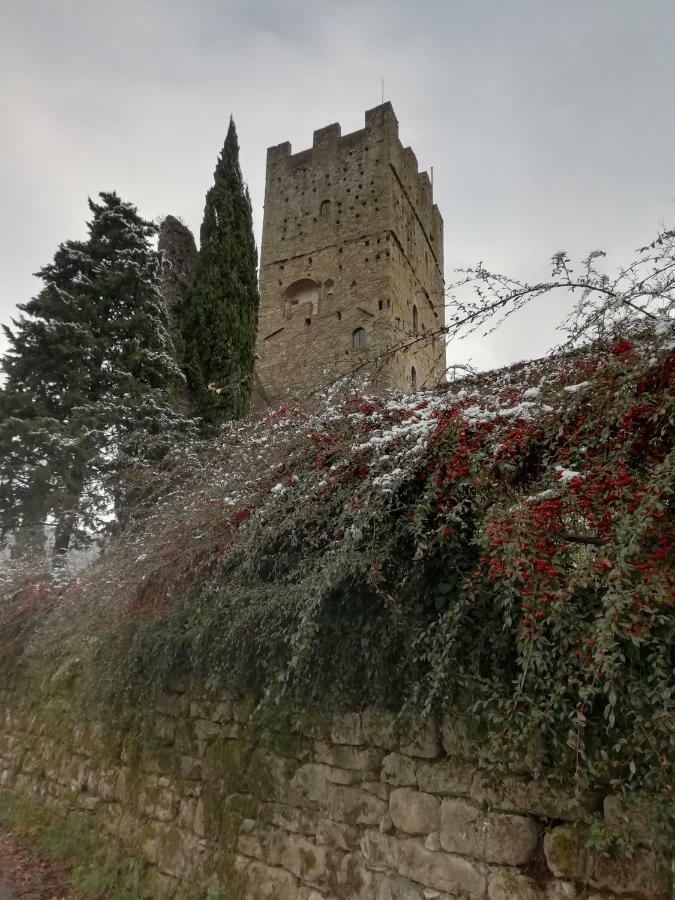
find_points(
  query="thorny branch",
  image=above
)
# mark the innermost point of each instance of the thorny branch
(641, 293)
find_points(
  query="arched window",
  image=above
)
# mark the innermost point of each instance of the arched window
(301, 292)
(413, 378)
(415, 320)
(328, 288)
(324, 209)
(359, 339)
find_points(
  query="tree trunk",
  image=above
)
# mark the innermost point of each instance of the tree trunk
(29, 544)
(62, 537)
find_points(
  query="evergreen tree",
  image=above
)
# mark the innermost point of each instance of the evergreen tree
(90, 375)
(220, 320)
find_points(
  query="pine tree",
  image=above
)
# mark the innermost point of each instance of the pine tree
(220, 320)
(90, 376)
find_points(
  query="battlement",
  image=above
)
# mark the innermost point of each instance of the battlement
(378, 120)
(328, 143)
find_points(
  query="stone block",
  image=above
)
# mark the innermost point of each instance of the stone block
(455, 738)
(399, 770)
(157, 801)
(393, 887)
(442, 871)
(186, 812)
(89, 802)
(421, 737)
(350, 877)
(200, 709)
(259, 843)
(378, 729)
(354, 806)
(242, 711)
(568, 857)
(343, 776)
(386, 824)
(304, 858)
(190, 768)
(164, 729)
(309, 785)
(414, 812)
(563, 890)
(380, 850)
(509, 884)
(566, 853)
(103, 783)
(433, 841)
(222, 712)
(446, 777)
(178, 852)
(345, 757)
(160, 885)
(535, 797)
(175, 705)
(271, 777)
(337, 834)
(206, 730)
(347, 729)
(377, 789)
(199, 819)
(265, 882)
(125, 786)
(290, 818)
(506, 839)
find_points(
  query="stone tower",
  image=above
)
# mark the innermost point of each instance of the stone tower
(351, 263)
(178, 247)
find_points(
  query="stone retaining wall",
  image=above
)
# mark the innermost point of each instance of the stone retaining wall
(215, 805)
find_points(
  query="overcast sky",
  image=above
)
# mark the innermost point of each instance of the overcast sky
(549, 123)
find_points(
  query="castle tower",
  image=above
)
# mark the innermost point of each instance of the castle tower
(351, 263)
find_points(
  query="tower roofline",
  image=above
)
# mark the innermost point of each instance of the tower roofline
(328, 141)
(376, 119)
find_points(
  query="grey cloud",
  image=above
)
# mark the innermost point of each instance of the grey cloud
(547, 124)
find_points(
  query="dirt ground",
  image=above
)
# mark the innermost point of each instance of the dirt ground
(25, 876)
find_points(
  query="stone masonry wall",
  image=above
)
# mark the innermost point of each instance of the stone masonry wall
(351, 240)
(216, 804)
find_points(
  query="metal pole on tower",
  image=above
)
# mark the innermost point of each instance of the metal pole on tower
(383, 90)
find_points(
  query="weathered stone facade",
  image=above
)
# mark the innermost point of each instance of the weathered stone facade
(177, 244)
(216, 804)
(351, 263)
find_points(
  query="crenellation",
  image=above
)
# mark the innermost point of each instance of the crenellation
(411, 160)
(278, 152)
(381, 118)
(328, 136)
(424, 183)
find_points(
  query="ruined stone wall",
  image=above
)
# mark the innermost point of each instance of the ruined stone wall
(351, 240)
(178, 247)
(216, 804)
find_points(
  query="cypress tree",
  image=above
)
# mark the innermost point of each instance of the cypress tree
(220, 320)
(90, 378)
